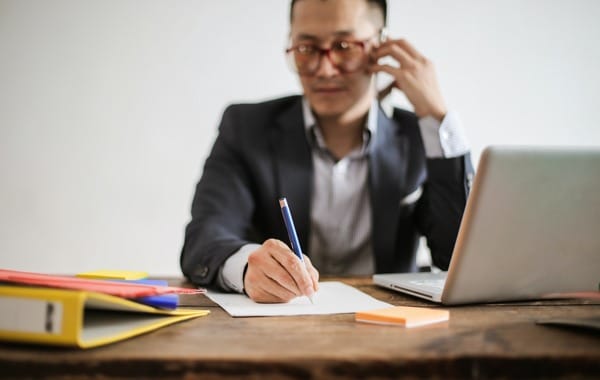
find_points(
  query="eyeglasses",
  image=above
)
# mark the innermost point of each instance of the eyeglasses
(345, 55)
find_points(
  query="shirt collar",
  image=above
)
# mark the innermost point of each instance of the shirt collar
(314, 134)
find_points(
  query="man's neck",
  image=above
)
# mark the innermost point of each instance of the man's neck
(342, 136)
(343, 133)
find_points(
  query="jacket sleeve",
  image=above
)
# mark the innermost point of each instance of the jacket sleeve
(441, 207)
(222, 207)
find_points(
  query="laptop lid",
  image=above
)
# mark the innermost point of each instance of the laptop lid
(530, 227)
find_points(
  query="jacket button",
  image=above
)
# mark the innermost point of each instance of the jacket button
(201, 271)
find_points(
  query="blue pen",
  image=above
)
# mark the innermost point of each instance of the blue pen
(291, 230)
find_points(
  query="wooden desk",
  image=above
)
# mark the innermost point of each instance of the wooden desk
(486, 341)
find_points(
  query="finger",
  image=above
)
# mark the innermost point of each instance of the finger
(264, 263)
(292, 265)
(289, 271)
(296, 269)
(404, 45)
(267, 295)
(398, 74)
(281, 277)
(409, 48)
(398, 53)
(312, 272)
(272, 292)
(264, 289)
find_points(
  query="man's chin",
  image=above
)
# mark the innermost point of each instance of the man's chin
(328, 109)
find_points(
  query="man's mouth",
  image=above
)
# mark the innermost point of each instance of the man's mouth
(328, 89)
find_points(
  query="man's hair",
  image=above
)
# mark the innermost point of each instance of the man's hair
(381, 4)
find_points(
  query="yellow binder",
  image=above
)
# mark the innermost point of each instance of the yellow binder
(78, 318)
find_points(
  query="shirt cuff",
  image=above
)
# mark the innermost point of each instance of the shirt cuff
(231, 274)
(446, 139)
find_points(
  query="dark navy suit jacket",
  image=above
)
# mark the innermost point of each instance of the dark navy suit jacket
(262, 152)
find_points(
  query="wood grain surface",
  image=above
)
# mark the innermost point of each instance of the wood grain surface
(499, 341)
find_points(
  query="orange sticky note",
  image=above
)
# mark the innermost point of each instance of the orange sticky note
(403, 316)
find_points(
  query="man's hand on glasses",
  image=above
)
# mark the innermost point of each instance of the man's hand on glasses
(415, 76)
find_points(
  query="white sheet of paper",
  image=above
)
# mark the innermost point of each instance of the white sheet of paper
(332, 298)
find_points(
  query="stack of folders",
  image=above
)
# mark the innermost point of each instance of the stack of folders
(85, 312)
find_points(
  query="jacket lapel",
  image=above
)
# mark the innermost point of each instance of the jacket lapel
(387, 168)
(292, 167)
(293, 171)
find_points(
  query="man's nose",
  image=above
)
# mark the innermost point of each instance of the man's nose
(326, 67)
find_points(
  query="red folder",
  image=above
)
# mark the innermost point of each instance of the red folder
(120, 289)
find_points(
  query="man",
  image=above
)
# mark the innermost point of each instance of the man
(362, 186)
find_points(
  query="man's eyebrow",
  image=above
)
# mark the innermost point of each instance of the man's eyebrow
(344, 33)
(312, 37)
(304, 36)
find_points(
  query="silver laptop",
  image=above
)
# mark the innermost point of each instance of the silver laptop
(531, 229)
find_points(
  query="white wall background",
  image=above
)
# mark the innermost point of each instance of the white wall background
(108, 108)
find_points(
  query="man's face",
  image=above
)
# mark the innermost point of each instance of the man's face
(330, 91)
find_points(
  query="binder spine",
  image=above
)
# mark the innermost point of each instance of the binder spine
(27, 315)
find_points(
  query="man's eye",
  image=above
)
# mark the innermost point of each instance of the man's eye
(341, 45)
(305, 49)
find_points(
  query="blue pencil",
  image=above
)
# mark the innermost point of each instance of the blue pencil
(291, 230)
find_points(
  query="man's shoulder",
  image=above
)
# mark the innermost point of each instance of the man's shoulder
(399, 121)
(266, 107)
(250, 121)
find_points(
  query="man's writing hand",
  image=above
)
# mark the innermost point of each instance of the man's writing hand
(275, 274)
(415, 76)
